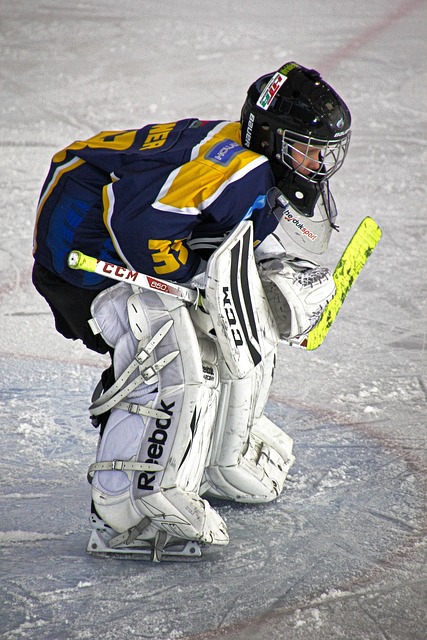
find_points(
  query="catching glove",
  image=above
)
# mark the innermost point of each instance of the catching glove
(297, 291)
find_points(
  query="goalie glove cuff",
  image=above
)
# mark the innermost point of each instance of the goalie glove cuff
(297, 291)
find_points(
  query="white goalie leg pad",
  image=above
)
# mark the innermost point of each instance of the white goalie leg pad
(245, 332)
(245, 464)
(153, 451)
(250, 456)
(297, 292)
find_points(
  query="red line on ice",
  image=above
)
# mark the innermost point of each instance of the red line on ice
(348, 49)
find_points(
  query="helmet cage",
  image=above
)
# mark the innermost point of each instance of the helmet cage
(302, 126)
(298, 153)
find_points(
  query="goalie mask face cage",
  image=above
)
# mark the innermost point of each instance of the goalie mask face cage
(300, 123)
(312, 158)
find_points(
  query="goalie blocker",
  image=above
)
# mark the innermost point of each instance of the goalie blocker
(187, 407)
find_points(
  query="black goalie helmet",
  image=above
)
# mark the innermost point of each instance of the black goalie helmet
(302, 126)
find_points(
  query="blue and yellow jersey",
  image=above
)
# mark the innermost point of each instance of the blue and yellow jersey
(151, 199)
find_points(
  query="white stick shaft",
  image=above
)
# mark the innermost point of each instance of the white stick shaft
(78, 260)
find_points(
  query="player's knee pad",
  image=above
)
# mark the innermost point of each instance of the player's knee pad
(153, 451)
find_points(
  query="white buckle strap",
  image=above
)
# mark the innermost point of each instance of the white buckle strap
(127, 537)
(142, 410)
(122, 465)
(150, 373)
(104, 403)
(118, 391)
(147, 376)
(158, 337)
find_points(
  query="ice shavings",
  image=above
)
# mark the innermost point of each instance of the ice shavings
(381, 393)
(23, 496)
(333, 478)
(310, 617)
(8, 538)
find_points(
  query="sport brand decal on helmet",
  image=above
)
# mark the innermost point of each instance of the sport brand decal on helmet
(270, 90)
(249, 129)
(288, 67)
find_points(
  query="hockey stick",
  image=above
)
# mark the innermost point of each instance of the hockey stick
(78, 260)
(348, 268)
(352, 261)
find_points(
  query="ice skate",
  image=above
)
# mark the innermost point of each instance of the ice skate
(105, 541)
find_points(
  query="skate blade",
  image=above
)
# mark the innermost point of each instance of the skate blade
(187, 551)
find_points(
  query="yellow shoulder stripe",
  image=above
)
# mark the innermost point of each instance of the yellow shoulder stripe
(218, 160)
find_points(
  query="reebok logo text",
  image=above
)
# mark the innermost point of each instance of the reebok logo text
(156, 443)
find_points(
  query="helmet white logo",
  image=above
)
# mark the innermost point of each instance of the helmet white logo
(270, 90)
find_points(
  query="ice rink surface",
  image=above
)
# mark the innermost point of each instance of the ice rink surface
(342, 553)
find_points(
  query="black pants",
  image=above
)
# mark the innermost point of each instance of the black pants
(71, 309)
(70, 306)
